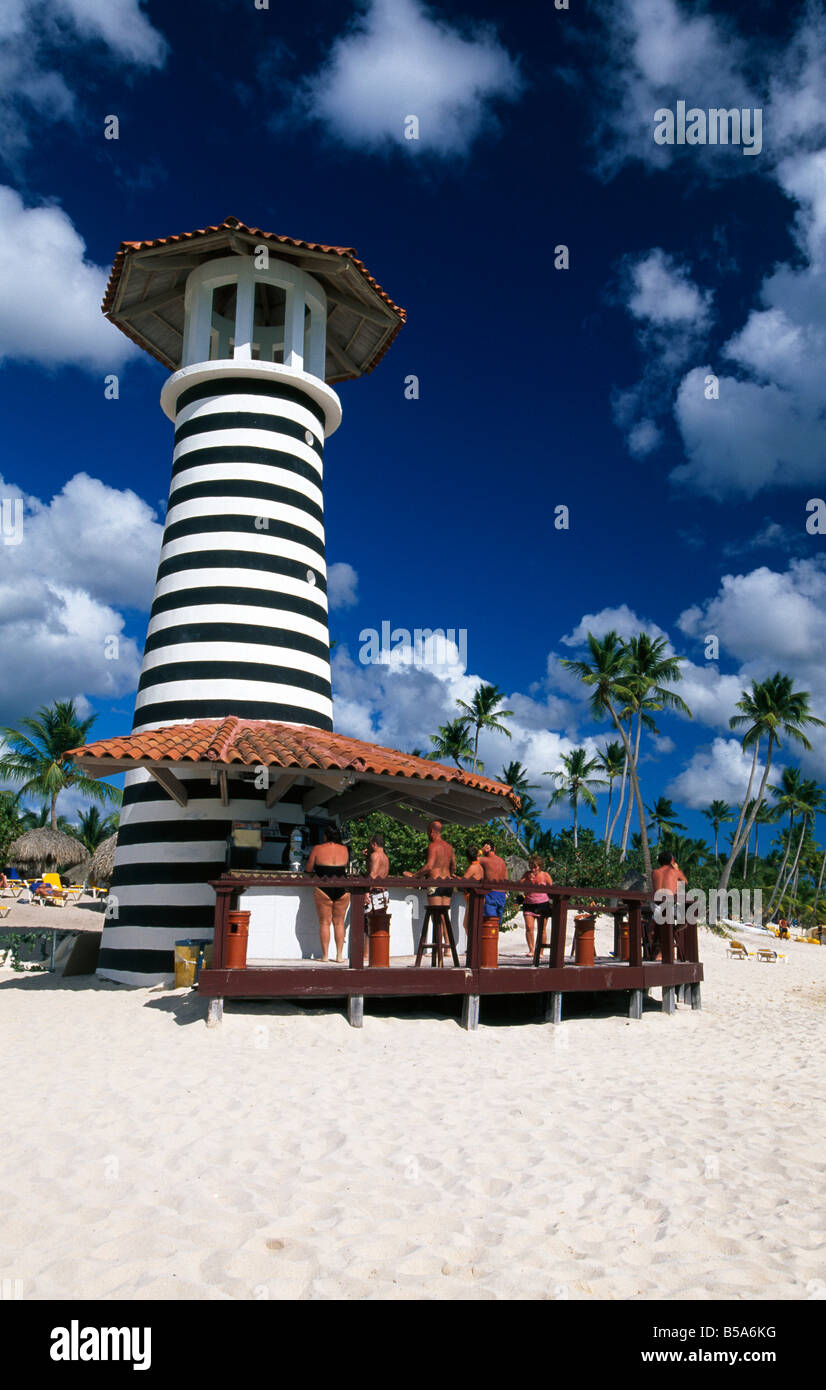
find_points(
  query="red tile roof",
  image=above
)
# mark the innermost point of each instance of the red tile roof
(234, 225)
(259, 741)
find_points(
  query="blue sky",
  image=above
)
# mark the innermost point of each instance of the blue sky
(538, 386)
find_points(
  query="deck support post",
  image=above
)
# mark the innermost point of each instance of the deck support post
(669, 1000)
(681, 994)
(635, 998)
(553, 1007)
(694, 995)
(215, 1012)
(355, 1010)
(470, 1012)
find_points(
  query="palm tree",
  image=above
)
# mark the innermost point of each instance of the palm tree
(787, 801)
(629, 676)
(574, 784)
(689, 853)
(770, 708)
(810, 803)
(35, 820)
(612, 763)
(485, 714)
(663, 816)
(452, 741)
(37, 751)
(92, 828)
(516, 776)
(719, 813)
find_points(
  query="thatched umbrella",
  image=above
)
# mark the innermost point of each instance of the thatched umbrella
(45, 849)
(79, 873)
(103, 861)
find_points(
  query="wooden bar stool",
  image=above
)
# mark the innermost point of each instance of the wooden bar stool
(437, 920)
(543, 915)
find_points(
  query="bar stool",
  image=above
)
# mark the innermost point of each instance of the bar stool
(542, 912)
(437, 920)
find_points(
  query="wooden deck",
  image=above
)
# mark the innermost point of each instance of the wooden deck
(553, 976)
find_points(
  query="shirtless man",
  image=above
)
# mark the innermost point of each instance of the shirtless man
(494, 869)
(378, 866)
(665, 879)
(440, 863)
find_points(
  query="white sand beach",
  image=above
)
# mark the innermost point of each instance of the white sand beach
(286, 1155)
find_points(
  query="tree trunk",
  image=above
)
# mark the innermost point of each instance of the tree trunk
(632, 764)
(635, 785)
(53, 821)
(716, 855)
(736, 845)
(608, 812)
(746, 831)
(618, 811)
(576, 845)
(793, 869)
(782, 870)
(817, 891)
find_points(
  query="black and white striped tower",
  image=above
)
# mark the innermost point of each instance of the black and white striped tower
(239, 622)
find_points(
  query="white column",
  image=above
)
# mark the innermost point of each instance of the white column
(294, 329)
(244, 308)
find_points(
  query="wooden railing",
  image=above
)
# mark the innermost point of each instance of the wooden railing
(628, 903)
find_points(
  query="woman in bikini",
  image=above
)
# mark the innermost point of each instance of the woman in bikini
(330, 860)
(535, 898)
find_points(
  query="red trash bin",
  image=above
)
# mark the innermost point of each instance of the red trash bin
(238, 931)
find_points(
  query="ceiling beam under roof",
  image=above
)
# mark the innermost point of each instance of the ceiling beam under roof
(170, 262)
(278, 786)
(327, 789)
(400, 813)
(153, 303)
(360, 802)
(170, 784)
(347, 362)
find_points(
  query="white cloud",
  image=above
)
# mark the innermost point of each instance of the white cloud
(767, 621)
(399, 59)
(644, 437)
(656, 52)
(767, 429)
(663, 293)
(50, 294)
(622, 620)
(716, 773)
(121, 24)
(342, 585)
(35, 35)
(57, 609)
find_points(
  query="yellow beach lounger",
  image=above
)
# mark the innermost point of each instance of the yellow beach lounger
(738, 950)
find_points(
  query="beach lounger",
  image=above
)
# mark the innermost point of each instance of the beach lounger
(765, 954)
(737, 950)
(4, 912)
(59, 896)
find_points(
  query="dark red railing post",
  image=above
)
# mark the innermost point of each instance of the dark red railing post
(224, 894)
(474, 929)
(559, 927)
(357, 929)
(634, 933)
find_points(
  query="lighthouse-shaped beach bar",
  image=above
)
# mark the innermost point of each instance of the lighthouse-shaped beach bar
(233, 723)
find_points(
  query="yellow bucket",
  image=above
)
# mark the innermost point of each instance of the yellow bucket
(186, 962)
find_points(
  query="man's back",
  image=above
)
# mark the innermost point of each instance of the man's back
(494, 868)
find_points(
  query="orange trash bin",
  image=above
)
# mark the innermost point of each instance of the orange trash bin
(584, 924)
(379, 939)
(238, 931)
(489, 947)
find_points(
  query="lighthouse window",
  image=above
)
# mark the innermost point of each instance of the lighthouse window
(268, 322)
(222, 330)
